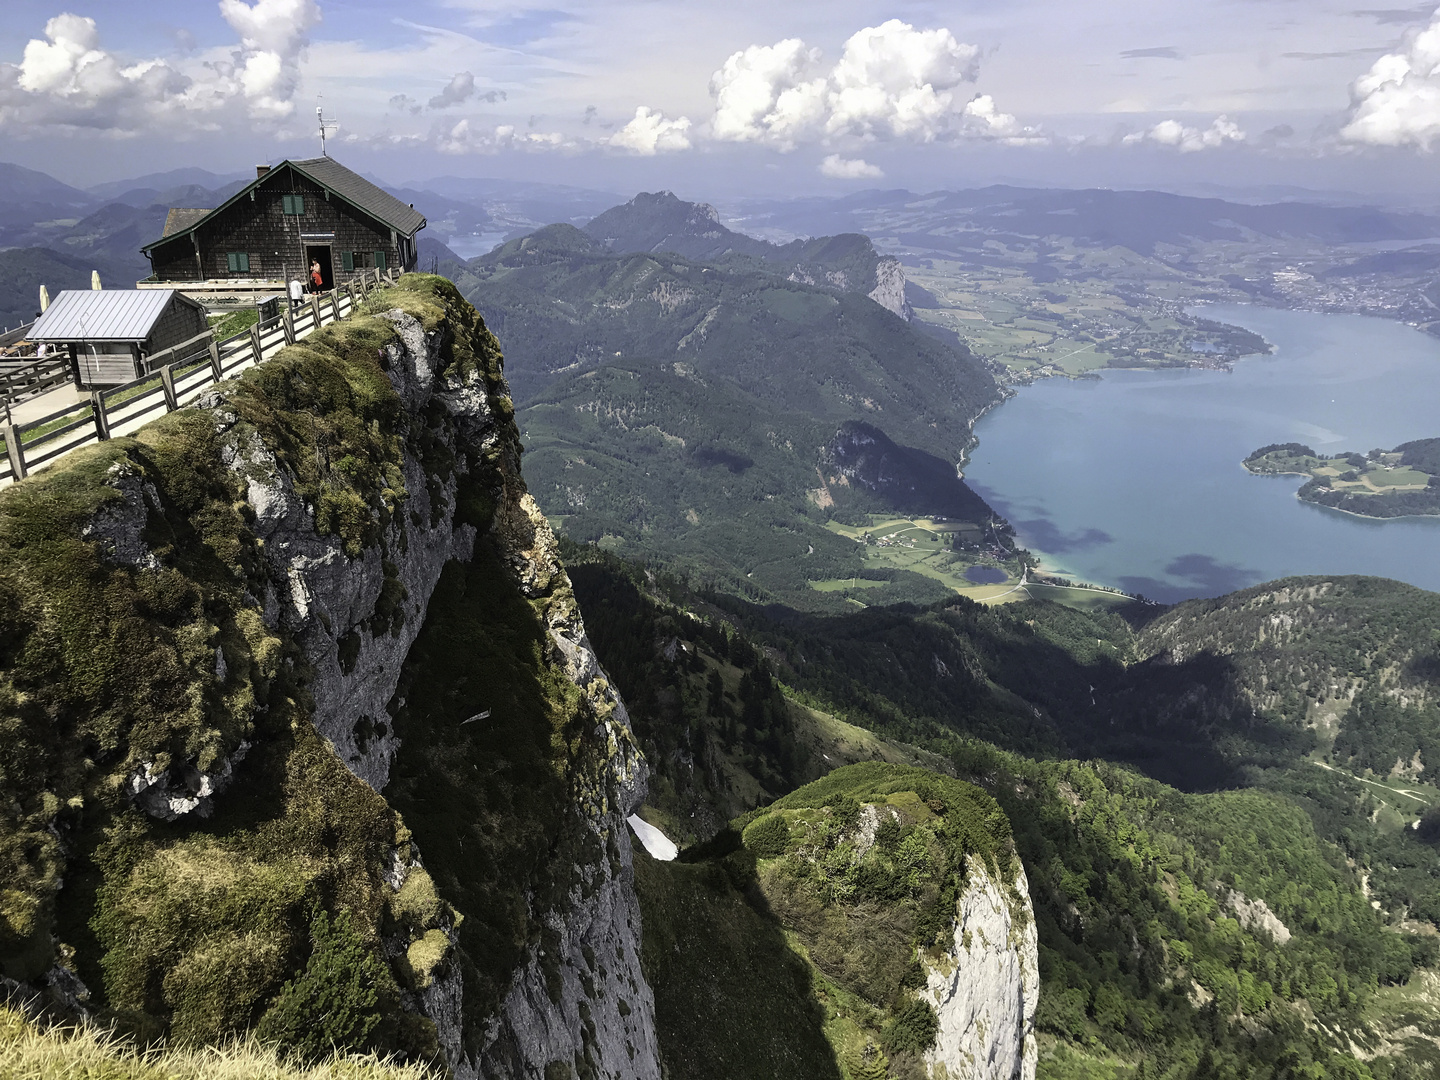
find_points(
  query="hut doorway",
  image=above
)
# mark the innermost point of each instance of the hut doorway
(320, 253)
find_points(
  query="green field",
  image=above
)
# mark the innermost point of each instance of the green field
(1381, 484)
(1401, 801)
(1071, 327)
(923, 546)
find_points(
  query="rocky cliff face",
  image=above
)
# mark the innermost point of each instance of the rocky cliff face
(889, 290)
(987, 988)
(258, 724)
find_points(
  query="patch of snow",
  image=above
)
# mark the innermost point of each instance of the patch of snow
(656, 842)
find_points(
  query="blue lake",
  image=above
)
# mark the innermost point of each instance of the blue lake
(1134, 480)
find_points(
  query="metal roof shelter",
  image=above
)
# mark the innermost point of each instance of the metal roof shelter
(107, 315)
(109, 332)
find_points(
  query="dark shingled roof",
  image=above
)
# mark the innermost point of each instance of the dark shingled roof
(179, 220)
(327, 172)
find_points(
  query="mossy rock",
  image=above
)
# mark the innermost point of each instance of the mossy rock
(193, 927)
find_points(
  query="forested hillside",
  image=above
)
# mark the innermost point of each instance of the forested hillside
(680, 409)
(1193, 931)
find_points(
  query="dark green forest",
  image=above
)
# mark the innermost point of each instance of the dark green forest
(1144, 873)
(657, 418)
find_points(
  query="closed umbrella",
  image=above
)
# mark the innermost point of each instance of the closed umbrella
(44, 299)
(95, 280)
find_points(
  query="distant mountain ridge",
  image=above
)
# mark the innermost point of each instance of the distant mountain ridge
(21, 185)
(1139, 220)
(660, 221)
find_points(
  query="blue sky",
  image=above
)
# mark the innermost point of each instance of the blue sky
(739, 97)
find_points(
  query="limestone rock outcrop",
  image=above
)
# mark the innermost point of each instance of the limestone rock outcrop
(987, 988)
(889, 290)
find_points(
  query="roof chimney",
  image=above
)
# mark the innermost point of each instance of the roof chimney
(261, 170)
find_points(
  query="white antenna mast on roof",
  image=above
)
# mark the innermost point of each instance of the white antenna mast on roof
(324, 124)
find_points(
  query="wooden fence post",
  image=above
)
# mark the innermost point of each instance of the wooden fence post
(215, 368)
(167, 383)
(13, 450)
(102, 422)
(289, 323)
(255, 342)
(315, 311)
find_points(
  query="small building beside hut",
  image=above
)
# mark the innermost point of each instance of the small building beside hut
(268, 234)
(109, 333)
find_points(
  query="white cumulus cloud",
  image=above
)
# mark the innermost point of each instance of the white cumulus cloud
(766, 92)
(983, 120)
(72, 80)
(1189, 140)
(69, 80)
(1397, 102)
(463, 138)
(892, 81)
(272, 35)
(458, 90)
(843, 168)
(650, 133)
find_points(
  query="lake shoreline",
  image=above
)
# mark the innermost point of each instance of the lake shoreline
(1128, 480)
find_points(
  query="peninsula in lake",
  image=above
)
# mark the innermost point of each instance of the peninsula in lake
(1403, 482)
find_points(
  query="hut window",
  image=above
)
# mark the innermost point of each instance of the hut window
(380, 260)
(238, 262)
(293, 204)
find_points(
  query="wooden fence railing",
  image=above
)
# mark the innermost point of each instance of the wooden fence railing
(30, 378)
(174, 379)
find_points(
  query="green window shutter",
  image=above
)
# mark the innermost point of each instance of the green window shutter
(244, 260)
(299, 205)
(232, 262)
(286, 204)
(380, 260)
(293, 204)
(347, 260)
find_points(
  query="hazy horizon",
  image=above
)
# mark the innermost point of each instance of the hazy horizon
(748, 101)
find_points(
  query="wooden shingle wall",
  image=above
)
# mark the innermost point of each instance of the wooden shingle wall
(273, 239)
(181, 322)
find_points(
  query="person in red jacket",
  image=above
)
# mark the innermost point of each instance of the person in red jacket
(317, 283)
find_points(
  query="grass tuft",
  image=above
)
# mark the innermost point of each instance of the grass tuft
(31, 1052)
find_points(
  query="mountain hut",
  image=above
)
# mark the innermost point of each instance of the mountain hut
(268, 234)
